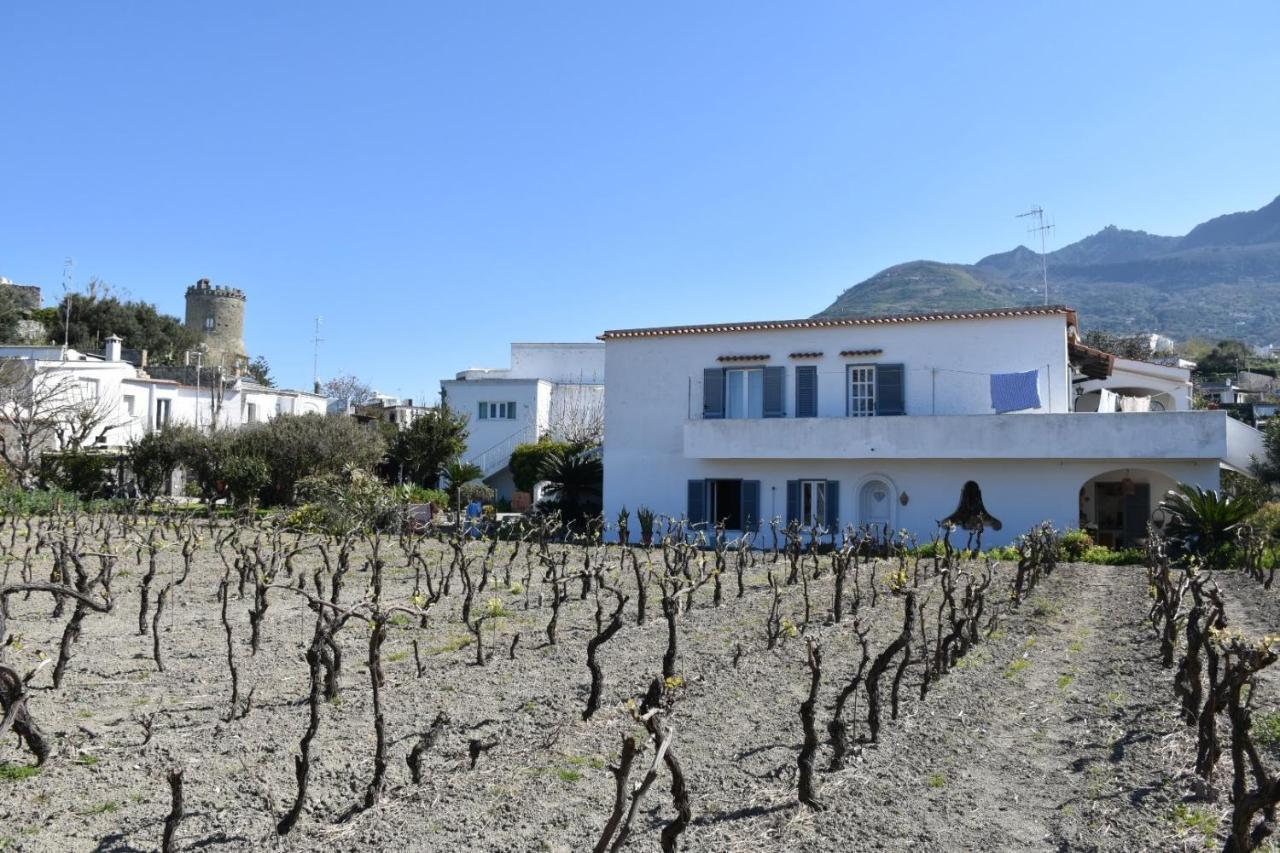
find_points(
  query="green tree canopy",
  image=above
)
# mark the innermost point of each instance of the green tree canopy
(1226, 357)
(140, 324)
(421, 451)
(298, 446)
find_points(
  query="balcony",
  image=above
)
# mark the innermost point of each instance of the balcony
(1148, 435)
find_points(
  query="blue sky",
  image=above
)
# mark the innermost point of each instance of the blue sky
(437, 180)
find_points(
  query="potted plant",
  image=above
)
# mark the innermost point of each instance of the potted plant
(646, 518)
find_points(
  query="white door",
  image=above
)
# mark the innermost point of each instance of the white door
(875, 504)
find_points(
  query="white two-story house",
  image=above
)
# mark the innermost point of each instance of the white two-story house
(884, 420)
(552, 389)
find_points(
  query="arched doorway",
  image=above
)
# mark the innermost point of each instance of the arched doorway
(875, 503)
(1115, 506)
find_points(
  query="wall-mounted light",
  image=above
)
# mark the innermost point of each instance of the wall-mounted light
(904, 498)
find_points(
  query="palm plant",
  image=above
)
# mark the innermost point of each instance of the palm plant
(458, 472)
(1203, 523)
(575, 481)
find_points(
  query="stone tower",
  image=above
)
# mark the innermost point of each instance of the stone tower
(216, 314)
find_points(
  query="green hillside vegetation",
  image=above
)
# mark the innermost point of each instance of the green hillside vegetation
(1221, 280)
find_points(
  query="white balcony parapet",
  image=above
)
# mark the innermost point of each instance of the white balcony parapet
(1154, 435)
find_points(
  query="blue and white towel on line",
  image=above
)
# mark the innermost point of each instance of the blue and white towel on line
(1012, 392)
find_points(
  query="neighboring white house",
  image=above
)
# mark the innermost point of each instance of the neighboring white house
(550, 388)
(127, 403)
(883, 420)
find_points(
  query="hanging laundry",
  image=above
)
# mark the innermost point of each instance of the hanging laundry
(1107, 400)
(1012, 392)
(1135, 404)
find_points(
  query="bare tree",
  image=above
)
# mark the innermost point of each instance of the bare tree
(48, 408)
(347, 391)
(577, 414)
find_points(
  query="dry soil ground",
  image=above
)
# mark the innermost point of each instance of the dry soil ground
(1057, 733)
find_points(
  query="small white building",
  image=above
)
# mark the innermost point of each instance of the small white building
(550, 389)
(127, 403)
(883, 420)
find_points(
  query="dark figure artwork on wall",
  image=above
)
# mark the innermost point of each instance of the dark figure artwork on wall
(971, 515)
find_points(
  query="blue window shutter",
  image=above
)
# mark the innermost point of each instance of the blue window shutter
(775, 380)
(806, 391)
(697, 501)
(750, 506)
(891, 398)
(793, 501)
(511, 411)
(484, 411)
(833, 504)
(713, 392)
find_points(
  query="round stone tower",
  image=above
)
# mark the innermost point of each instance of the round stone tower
(216, 314)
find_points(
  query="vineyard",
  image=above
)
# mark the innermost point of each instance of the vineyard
(188, 684)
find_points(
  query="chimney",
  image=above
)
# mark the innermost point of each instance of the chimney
(113, 347)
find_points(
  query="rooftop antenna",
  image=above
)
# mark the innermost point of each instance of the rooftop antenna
(315, 359)
(1038, 212)
(68, 280)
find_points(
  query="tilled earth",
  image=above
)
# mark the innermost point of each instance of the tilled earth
(1058, 732)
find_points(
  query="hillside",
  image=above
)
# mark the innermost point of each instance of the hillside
(1222, 279)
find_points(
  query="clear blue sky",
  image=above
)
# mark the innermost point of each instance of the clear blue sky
(438, 180)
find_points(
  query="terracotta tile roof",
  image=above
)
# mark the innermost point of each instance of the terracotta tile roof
(849, 352)
(742, 358)
(806, 355)
(840, 322)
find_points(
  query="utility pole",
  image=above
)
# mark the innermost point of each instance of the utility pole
(1038, 212)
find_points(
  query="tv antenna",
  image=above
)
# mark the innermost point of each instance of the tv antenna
(315, 358)
(1038, 212)
(68, 287)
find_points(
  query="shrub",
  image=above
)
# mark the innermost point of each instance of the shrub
(438, 498)
(473, 491)
(1074, 543)
(1266, 521)
(153, 458)
(295, 447)
(529, 461)
(1104, 556)
(352, 500)
(89, 475)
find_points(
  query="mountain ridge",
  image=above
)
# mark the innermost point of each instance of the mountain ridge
(1220, 280)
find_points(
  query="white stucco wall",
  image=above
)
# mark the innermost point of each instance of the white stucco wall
(1019, 493)
(655, 440)
(558, 362)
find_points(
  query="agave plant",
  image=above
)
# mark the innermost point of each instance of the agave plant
(1203, 523)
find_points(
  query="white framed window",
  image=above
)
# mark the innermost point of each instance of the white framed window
(209, 323)
(744, 393)
(130, 403)
(862, 390)
(163, 407)
(813, 503)
(251, 413)
(498, 411)
(88, 389)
